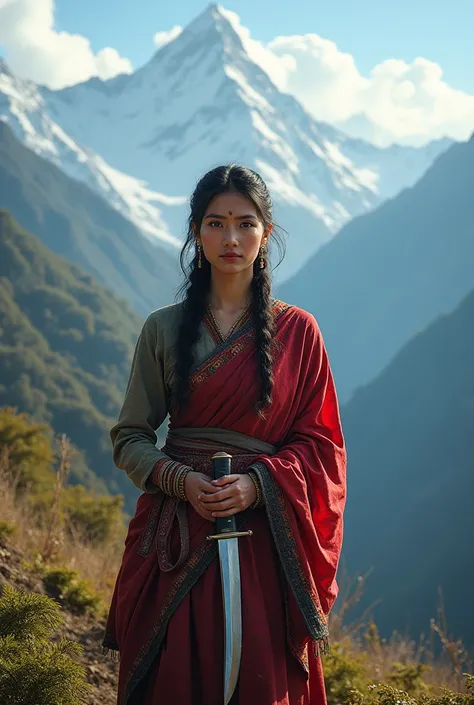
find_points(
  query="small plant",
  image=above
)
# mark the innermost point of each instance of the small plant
(409, 677)
(33, 668)
(344, 672)
(6, 530)
(385, 694)
(54, 527)
(64, 585)
(94, 519)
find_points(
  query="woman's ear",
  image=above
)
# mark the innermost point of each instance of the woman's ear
(267, 232)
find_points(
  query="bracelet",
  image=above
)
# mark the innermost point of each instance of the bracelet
(170, 477)
(259, 499)
(180, 493)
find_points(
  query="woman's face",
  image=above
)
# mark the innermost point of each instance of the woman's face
(231, 233)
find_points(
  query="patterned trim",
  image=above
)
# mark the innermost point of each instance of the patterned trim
(225, 353)
(172, 508)
(230, 348)
(208, 324)
(215, 333)
(198, 453)
(148, 534)
(187, 577)
(285, 543)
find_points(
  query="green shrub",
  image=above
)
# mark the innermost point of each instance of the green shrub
(28, 449)
(6, 530)
(97, 518)
(64, 585)
(344, 672)
(408, 677)
(34, 669)
(385, 694)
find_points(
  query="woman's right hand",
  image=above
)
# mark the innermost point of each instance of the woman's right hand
(195, 484)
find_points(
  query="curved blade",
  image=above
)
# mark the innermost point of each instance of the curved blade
(230, 576)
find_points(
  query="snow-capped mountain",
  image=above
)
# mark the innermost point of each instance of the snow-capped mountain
(201, 101)
(23, 108)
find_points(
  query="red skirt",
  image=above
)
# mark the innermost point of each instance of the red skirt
(168, 626)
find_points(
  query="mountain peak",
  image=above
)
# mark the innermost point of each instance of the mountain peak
(213, 27)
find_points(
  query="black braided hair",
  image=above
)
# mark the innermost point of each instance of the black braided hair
(195, 290)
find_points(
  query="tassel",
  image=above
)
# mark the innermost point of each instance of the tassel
(111, 653)
(321, 647)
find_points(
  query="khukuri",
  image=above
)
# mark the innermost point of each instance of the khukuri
(166, 613)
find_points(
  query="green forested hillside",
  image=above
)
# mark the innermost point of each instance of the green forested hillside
(65, 346)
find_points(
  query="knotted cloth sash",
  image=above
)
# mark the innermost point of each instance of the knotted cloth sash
(195, 447)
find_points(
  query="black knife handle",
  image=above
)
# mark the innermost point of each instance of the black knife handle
(221, 466)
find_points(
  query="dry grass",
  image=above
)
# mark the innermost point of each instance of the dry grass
(447, 660)
(49, 540)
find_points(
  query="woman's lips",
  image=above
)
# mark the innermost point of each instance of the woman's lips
(233, 256)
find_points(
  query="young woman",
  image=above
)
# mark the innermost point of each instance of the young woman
(241, 372)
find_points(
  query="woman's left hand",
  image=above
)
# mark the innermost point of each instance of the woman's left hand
(235, 493)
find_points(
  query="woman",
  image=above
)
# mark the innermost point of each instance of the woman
(240, 372)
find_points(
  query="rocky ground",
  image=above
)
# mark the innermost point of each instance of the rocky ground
(102, 671)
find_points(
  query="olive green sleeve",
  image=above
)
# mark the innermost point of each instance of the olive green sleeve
(144, 409)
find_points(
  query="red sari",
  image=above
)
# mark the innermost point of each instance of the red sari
(168, 624)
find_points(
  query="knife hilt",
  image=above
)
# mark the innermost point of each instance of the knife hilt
(226, 527)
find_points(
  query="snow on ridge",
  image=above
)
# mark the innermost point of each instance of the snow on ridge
(137, 203)
(27, 116)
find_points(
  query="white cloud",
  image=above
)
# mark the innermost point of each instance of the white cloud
(396, 102)
(35, 50)
(162, 38)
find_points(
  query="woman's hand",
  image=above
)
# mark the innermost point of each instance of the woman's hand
(196, 485)
(231, 495)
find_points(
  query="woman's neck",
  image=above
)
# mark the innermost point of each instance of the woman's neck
(230, 292)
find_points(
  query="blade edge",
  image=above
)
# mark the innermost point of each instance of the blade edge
(231, 596)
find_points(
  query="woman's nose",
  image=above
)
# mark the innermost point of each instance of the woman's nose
(230, 236)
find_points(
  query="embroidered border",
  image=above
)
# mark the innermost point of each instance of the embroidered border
(285, 543)
(148, 534)
(225, 354)
(188, 576)
(230, 348)
(215, 333)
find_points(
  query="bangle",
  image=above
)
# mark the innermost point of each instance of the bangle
(181, 478)
(170, 476)
(259, 499)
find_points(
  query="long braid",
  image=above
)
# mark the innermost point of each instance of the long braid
(264, 321)
(194, 306)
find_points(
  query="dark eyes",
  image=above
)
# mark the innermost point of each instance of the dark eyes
(217, 223)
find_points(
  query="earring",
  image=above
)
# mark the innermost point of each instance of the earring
(198, 245)
(262, 256)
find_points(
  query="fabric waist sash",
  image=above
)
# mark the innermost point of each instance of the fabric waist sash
(195, 447)
(206, 441)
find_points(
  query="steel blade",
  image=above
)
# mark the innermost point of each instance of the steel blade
(231, 595)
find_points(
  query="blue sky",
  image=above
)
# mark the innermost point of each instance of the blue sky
(370, 30)
(386, 72)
